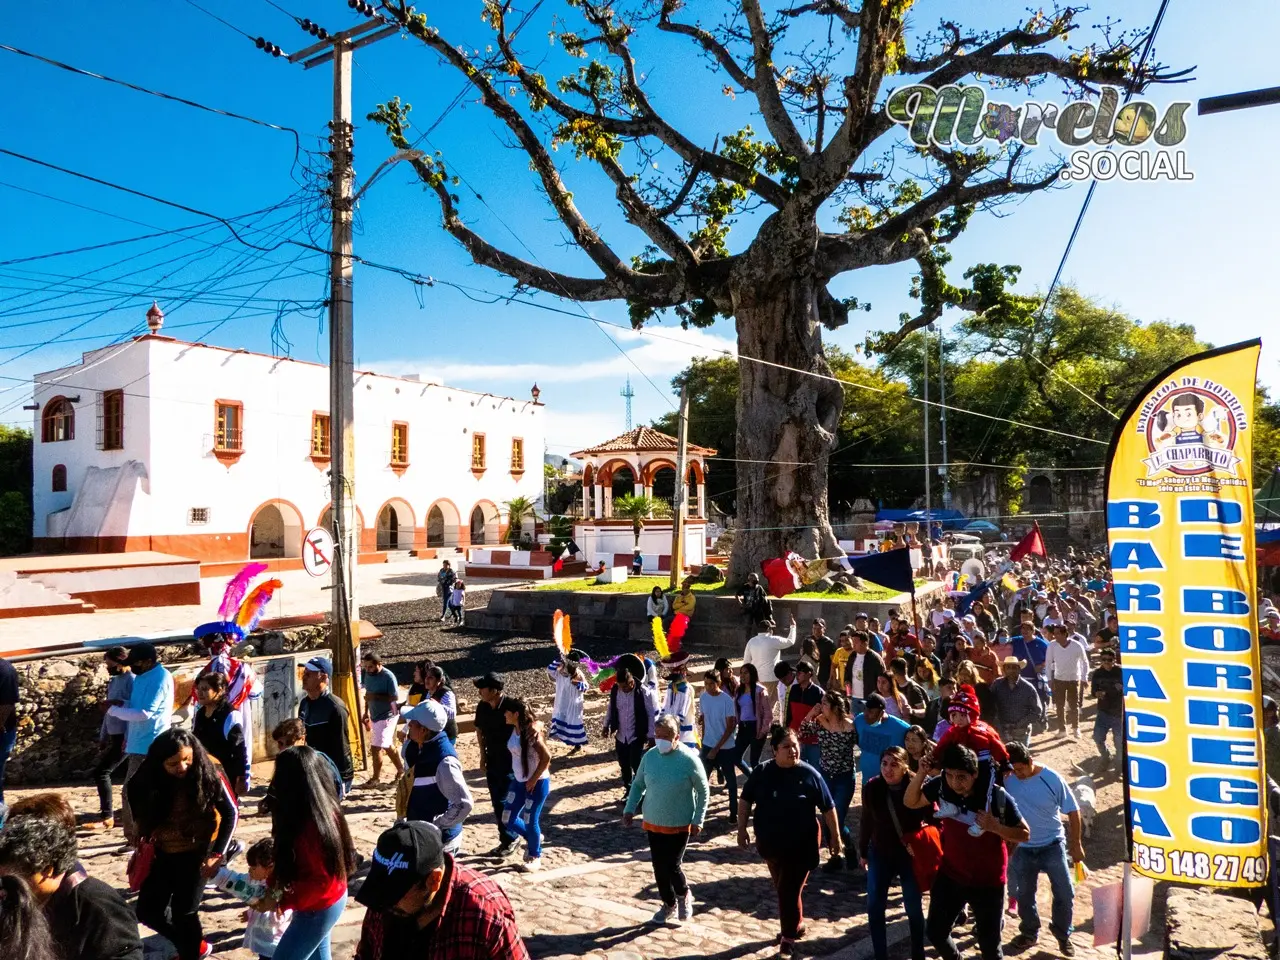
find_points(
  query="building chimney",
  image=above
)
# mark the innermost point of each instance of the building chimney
(155, 317)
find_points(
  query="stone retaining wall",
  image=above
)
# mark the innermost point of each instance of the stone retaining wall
(60, 704)
(718, 623)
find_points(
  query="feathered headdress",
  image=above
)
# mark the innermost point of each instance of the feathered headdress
(239, 613)
(560, 632)
(668, 647)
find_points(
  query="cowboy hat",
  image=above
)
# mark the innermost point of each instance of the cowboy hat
(1013, 662)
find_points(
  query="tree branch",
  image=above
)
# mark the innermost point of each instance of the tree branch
(601, 254)
(774, 111)
(709, 44)
(852, 19)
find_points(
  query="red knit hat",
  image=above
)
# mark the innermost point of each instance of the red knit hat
(965, 698)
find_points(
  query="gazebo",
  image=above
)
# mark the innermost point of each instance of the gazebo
(648, 458)
(646, 454)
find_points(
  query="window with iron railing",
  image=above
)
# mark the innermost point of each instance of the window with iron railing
(228, 426)
(517, 455)
(399, 444)
(112, 420)
(319, 435)
(477, 451)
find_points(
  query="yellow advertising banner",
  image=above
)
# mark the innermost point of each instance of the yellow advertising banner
(1180, 528)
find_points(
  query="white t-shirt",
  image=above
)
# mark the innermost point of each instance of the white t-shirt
(716, 711)
(856, 685)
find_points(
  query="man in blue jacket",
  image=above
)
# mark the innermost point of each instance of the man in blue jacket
(148, 714)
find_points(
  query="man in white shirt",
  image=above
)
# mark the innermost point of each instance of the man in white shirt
(764, 650)
(1066, 666)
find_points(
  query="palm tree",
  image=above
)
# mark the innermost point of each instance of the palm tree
(638, 510)
(517, 509)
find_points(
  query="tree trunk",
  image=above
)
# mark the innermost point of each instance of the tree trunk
(785, 418)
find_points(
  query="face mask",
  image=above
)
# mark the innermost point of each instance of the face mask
(665, 746)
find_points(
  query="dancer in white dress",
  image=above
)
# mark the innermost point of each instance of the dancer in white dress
(566, 717)
(680, 698)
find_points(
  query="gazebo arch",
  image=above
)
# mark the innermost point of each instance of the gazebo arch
(646, 452)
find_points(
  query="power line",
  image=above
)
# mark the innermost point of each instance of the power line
(162, 95)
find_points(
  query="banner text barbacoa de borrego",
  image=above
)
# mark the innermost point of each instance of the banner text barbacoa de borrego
(1180, 527)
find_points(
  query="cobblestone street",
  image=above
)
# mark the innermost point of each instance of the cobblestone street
(595, 895)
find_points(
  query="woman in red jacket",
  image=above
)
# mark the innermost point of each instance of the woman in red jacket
(314, 853)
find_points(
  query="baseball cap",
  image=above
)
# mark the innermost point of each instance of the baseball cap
(142, 651)
(430, 714)
(406, 853)
(490, 681)
(861, 615)
(319, 665)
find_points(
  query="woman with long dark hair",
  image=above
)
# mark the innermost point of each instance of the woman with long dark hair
(217, 726)
(24, 932)
(755, 717)
(418, 688)
(440, 689)
(531, 783)
(314, 854)
(182, 803)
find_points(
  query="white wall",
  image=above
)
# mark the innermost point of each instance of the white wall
(118, 367)
(603, 542)
(279, 397)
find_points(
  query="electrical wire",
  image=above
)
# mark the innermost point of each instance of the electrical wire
(297, 142)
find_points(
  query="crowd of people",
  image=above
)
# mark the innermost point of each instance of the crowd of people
(907, 749)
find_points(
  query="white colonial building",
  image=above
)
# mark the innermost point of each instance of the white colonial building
(223, 455)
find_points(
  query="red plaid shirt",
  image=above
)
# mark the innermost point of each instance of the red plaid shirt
(477, 923)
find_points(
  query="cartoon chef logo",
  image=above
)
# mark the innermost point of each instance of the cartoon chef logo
(1192, 432)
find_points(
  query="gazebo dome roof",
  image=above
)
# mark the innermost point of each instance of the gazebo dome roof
(642, 440)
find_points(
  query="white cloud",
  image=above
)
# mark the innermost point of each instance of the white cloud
(659, 353)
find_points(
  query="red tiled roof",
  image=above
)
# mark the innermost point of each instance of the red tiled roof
(642, 440)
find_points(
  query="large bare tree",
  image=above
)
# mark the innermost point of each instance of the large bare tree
(827, 187)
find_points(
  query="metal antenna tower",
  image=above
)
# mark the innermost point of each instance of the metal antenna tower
(627, 393)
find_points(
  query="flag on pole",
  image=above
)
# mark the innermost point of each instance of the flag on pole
(890, 569)
(1031, 543)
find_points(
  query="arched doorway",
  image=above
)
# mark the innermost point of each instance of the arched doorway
(484, 524)
(395, 526)
(664, 486)
(443, 524)
(326, 521)
(1040, 494)
(275, 533)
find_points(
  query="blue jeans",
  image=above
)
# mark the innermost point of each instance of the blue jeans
(882, 868)
(841, 786)
(1025, 867)
(811, 754)
(523, 813)
(7, 740)
(1104, 723)
(724, 762)
(308, 935)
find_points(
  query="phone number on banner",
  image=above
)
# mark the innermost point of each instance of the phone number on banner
(1198, 865)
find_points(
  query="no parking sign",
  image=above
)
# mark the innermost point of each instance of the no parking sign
(317, 552)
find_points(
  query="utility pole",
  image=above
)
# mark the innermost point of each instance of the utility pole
(681, 504)
(945, 468)
(928, 488)
(345, 610)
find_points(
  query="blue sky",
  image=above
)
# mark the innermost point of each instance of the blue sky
(1190, 252)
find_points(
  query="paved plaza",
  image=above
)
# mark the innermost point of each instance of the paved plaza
(595, 895)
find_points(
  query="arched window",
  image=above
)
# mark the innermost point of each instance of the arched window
(58, 421)
(58, 482)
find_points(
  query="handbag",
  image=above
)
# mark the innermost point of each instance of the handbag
(924, 846)
(140, 863)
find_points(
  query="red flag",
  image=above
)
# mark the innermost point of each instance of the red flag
(558, 565)
(1031, 543)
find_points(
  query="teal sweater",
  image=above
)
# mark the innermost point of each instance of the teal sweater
(672, 786)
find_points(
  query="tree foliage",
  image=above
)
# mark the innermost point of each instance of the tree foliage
(1067, 369)
(15, 490)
